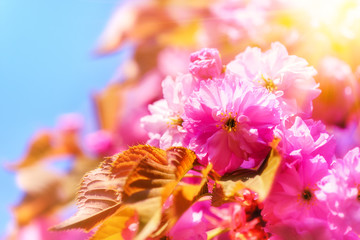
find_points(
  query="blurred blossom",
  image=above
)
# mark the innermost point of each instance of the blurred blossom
(38, 230)
(339, 92)
(173, 61)
(100, 143)
(347, 137)
(70, 122)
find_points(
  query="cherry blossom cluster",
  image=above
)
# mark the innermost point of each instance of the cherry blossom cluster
(229, 114)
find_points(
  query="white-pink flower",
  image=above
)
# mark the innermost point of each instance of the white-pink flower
(164, 125)
(340, 191)
(340, 94)
(287, 76)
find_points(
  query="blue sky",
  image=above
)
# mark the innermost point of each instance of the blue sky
(46, 69)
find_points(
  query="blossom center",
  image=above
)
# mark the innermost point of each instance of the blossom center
(306, 195)
(177, 121)
(229, 122)
(269, 84)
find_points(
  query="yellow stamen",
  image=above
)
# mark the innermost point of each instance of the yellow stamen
(229, 122)
(269, 84)
(177, 121)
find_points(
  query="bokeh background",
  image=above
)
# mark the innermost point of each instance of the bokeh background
(47, 68)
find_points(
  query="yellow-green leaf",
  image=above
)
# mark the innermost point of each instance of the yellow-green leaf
(260, 180)
(109, 230)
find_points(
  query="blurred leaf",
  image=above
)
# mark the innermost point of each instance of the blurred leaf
(47, 191)
(107, 104)
(142, 55)
(134, 22)
(119, 102)
(45, 145)
(40, 147)
(32, 206)
(182, 36)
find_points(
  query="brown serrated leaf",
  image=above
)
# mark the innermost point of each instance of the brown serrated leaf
(133, 179)
(153, 181)
(100, 193)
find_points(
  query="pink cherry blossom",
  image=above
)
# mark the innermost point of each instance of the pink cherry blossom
(340, 191)
(230, 123)
(205, 64)
(304, 139)
(294, 192)
(287, 76)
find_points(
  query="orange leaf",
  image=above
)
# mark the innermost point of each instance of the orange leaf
(40, 147)
(135, 22)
